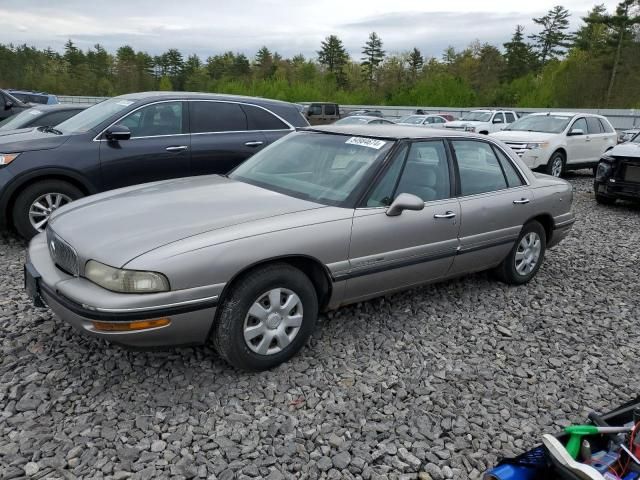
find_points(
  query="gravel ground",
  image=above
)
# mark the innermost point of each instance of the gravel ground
(437, 382)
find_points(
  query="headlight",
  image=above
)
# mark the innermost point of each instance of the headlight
(7, 158)
(535, 146)
(125, 281)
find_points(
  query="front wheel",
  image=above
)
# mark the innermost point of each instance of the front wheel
(526, 256)
(35, 204)
(555, 165)
(266, 318)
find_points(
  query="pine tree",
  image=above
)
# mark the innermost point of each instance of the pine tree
(592, 36)
(373, 57)
(264, 63)
(517, 55)
(416, 62)
(554, 39)
(333, 56)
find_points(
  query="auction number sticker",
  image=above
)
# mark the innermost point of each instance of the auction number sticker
(366, 142)
(124, 103)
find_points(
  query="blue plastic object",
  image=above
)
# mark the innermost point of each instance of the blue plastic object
(511, 472)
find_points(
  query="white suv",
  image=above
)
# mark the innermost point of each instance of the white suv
(556, 141)
(483, 121)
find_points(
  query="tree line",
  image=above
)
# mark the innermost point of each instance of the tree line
(596, 66)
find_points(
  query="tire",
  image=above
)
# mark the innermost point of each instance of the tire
(234, 319)
(507, 271)
(553, 168)
(27, 197)
(604, 200)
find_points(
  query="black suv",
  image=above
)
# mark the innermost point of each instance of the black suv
(10, 105)
(132, 139)
(618, 173)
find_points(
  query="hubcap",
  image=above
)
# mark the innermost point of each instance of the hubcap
(42, 208)
(273, 321)
(556, 167)
(528, 253)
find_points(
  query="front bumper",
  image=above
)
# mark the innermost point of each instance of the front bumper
(81, 303)
(618, 189)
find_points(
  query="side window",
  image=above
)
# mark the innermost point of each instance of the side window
(382, 194)
(426, 172)
(594, 125)
(513, 177)
(580, 124)
(510, 117)
(497, 117)
(606, 126)
(53, 119)
(479, 169)
(208, 117)
(157, 119)
(315, 109)
(329, 109)
(259, 119)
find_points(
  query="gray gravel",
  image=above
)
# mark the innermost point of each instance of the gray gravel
(437, 382)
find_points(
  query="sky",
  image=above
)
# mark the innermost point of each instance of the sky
(286, 26)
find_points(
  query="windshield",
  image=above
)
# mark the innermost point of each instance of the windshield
(413, 120)
(19, 120)
(636, 139)
(322, 168)
(541, 123)
(352, 121)
(93, 116)
(477, 116)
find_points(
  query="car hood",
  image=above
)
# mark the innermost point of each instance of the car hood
(118, 226)
(462, 123)
(625, 150)
(522, 136)
(29, 140)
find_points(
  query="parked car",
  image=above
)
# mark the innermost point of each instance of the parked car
(627, 135)
(132, 139)
(618, 173)
(366, 113)
(556, 142)
(40, 98)
(10, 105)
(430, 121)
(42, 116)
(322, 113)
(484, 121)
(324, 217)
(363, 120)
(449, 117)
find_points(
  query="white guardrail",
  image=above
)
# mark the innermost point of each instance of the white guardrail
(621, 119)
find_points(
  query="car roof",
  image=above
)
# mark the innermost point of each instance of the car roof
(565, 114)
(60, 107)
(146, 96)
(367, 117)
(392, 132)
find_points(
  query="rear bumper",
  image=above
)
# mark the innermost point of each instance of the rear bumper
(190, 318)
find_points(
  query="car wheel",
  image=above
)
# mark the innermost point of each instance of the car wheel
(555, 166)
(266, 318)
(604, 200)
(37, 202)
(526, 256)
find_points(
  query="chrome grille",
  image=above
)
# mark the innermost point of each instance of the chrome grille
(63, 254)
(518, 147)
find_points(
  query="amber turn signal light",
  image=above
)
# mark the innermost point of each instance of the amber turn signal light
(130, 326)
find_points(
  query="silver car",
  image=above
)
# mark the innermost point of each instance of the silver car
(325, 217)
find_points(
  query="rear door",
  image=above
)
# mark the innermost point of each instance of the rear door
(158, 148)
(220, 139)
(495, 202)
(598, 139)
(264, 121)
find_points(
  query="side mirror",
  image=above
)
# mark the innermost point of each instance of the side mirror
(404, 201)
(8, 105)
(117, 133)
(498, 120)
(575, 132)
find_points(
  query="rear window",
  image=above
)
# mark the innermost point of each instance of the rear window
(329, 109)
(260, 119)
(209, 117)
(606, 126)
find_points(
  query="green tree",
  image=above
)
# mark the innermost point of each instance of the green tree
(165, 84)
(592, 36)
(373, 55)
(333, 56)
(416, 62)
(553, 39)
(519, 59)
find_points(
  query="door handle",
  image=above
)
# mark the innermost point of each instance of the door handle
(178, 148)
(253, 144)
(587, 139)
(522, 201)
(445, 215)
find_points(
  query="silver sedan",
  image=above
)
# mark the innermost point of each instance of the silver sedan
(321, 218)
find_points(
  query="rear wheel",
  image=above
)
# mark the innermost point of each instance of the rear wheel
(526, 256)
(35, 204)
(556, 164)
(266, 318)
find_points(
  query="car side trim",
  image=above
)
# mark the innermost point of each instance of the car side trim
(125, 315)
(418, 260)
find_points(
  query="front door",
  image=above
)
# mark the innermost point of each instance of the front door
(389, 253)
(495, 202)
(157, 150)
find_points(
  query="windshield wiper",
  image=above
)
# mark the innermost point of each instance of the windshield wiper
(51, 130)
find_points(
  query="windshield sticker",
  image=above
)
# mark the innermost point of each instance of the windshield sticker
(124, 103)
(366, 142)
(35, 112)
